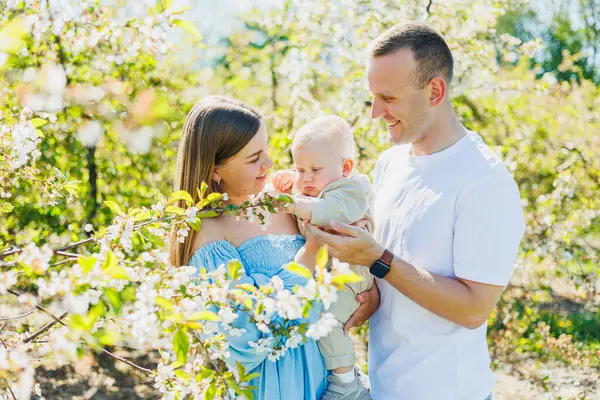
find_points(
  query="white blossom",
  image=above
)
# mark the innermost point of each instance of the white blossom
(90, 133)
(322, 327)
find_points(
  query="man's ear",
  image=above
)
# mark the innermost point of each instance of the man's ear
(348, 167)
(437, 90)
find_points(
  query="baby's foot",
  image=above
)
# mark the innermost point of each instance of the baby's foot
(338, 390)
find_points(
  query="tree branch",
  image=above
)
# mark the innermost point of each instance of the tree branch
(428, 8)
(17, 316)
(45, 328)
(126, 361)
(39, 308)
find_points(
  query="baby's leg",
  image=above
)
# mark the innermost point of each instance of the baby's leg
(338, 348)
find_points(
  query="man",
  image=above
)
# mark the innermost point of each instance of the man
(448, 222)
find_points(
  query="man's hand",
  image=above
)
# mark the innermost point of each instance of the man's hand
(369, 302)
(284, 180)
(351, 244)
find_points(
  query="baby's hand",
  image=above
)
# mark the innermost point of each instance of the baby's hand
(284, 180)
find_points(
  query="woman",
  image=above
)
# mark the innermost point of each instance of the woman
(224, 143)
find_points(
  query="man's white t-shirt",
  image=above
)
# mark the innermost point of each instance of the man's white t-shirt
(455, 213)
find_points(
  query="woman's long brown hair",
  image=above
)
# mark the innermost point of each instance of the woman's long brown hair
(215, 130)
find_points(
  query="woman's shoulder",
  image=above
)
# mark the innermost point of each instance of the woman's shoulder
(210, 231)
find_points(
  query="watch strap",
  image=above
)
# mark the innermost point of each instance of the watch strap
(387, 257)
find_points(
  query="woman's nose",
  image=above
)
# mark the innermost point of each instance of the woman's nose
(268, 163)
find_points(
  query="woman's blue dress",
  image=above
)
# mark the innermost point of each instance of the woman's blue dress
(300, 374)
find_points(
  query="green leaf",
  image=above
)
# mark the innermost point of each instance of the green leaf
(247, 287)
(6, 207)
(117, 273)
(180, 195)
(142, 215)
(175, 210)
(182, 375)
(306, 310)
(108, 337)
(251, 376)
(110, 261)
(77, 321)
(247, 302)
(193, 324)
(86, 263)
(322, 257)
(113, 297)
(161, 301)
(196, 224)
(204, 316)
(37, 122)
(72, 188)
(189, 27)
(12, 35)
(233, 268)
(346, 278)
(128, 294)
(115, 208)
(211, 391)
(206, 373)
(285, 198)
(181, 10)
(167, 4)
(111, 268)
(176, 317)
(241, 369)
(181, 345)
(298, 269)
(203, 189)
(214, 197)
(207, 214)
(95, 312)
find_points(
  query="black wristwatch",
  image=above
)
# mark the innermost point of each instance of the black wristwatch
(381, 267)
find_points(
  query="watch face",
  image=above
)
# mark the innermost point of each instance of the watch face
(379, 269)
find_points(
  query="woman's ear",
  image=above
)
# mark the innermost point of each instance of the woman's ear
(348, 167)
(216, 177)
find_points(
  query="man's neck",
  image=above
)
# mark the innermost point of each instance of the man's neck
(441, 134)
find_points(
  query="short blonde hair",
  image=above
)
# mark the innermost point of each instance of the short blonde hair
(327, 130)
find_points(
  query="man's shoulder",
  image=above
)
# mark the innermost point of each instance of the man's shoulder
(393, 153)
(480, 166)
(481, 161)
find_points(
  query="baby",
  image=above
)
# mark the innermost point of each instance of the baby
(330, 189)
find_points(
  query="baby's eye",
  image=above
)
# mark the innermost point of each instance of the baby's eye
(316, 169)
(300, 170)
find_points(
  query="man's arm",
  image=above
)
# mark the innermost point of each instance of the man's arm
(461, 301)
(488, 228)
(466, 303)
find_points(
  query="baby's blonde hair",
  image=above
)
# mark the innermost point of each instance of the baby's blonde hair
(327, 130)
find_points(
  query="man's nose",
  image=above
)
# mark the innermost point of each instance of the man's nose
(377, 108)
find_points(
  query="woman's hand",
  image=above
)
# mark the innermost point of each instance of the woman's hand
(369, 303)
